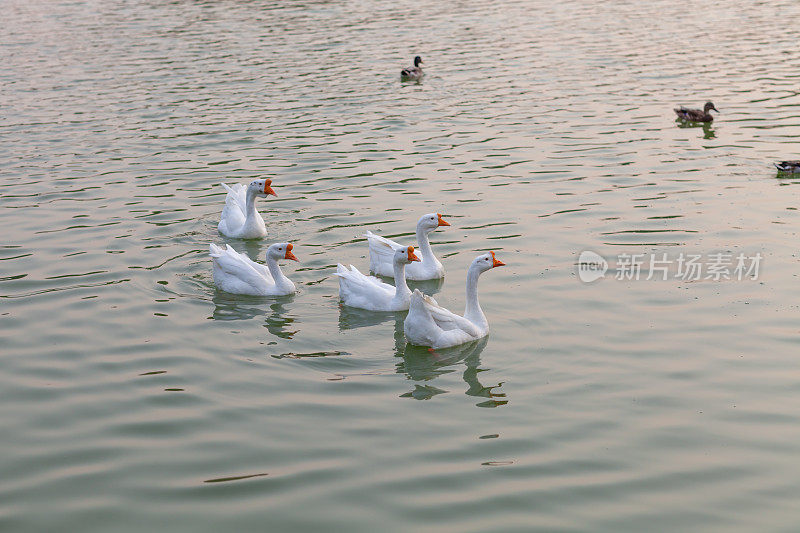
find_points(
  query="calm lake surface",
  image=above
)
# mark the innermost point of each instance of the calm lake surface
(135, 396)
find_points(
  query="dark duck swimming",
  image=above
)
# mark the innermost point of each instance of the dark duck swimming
(696, 115)
(412, 73)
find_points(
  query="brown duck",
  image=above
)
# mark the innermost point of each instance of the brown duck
(696, 115)
(412, 73)
(792, 167)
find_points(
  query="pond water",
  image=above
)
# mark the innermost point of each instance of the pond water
(135, 396)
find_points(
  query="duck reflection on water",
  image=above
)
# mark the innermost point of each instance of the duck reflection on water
(707, 127)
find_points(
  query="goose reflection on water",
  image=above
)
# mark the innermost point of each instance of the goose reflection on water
(354, 318)
(422, 365)
(238, 307)
(428, 286)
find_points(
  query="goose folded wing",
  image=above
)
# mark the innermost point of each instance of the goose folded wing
(242, 267)
(355, 277)
(447, 320)
(382, 247)
(237, 196)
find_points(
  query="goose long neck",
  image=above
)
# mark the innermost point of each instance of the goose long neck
(424, 244)
(277, 273)
(250, 204)
(400, 285)
(473, 311)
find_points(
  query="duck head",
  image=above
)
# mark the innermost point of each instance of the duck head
(281, 250)
(262, 188)
(431, 221)
(486, 262)
(417, 61)
(709, 106)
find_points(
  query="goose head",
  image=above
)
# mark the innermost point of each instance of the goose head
(405, 255)
(281, 250)
(261, 188)
(417, 61)
(486, 262)
(709, 106)
(431, 221)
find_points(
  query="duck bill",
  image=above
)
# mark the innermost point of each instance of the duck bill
(442, 222)
(411, 256)
(496, 262)
(267, 189)
(289, 254)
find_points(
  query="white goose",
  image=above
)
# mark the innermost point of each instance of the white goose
(236, 273)
(429, 324)
(368, 292)
(239, 218)
(380, 257)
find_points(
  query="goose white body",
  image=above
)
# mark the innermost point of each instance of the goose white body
(429, 324)
(428, 267)
(368, 292)
(239, 218)
(238, 274)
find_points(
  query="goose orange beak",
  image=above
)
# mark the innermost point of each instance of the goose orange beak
(411, 256)
(496, 262)
(442, 222)
(267, 189)
(289, 254)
